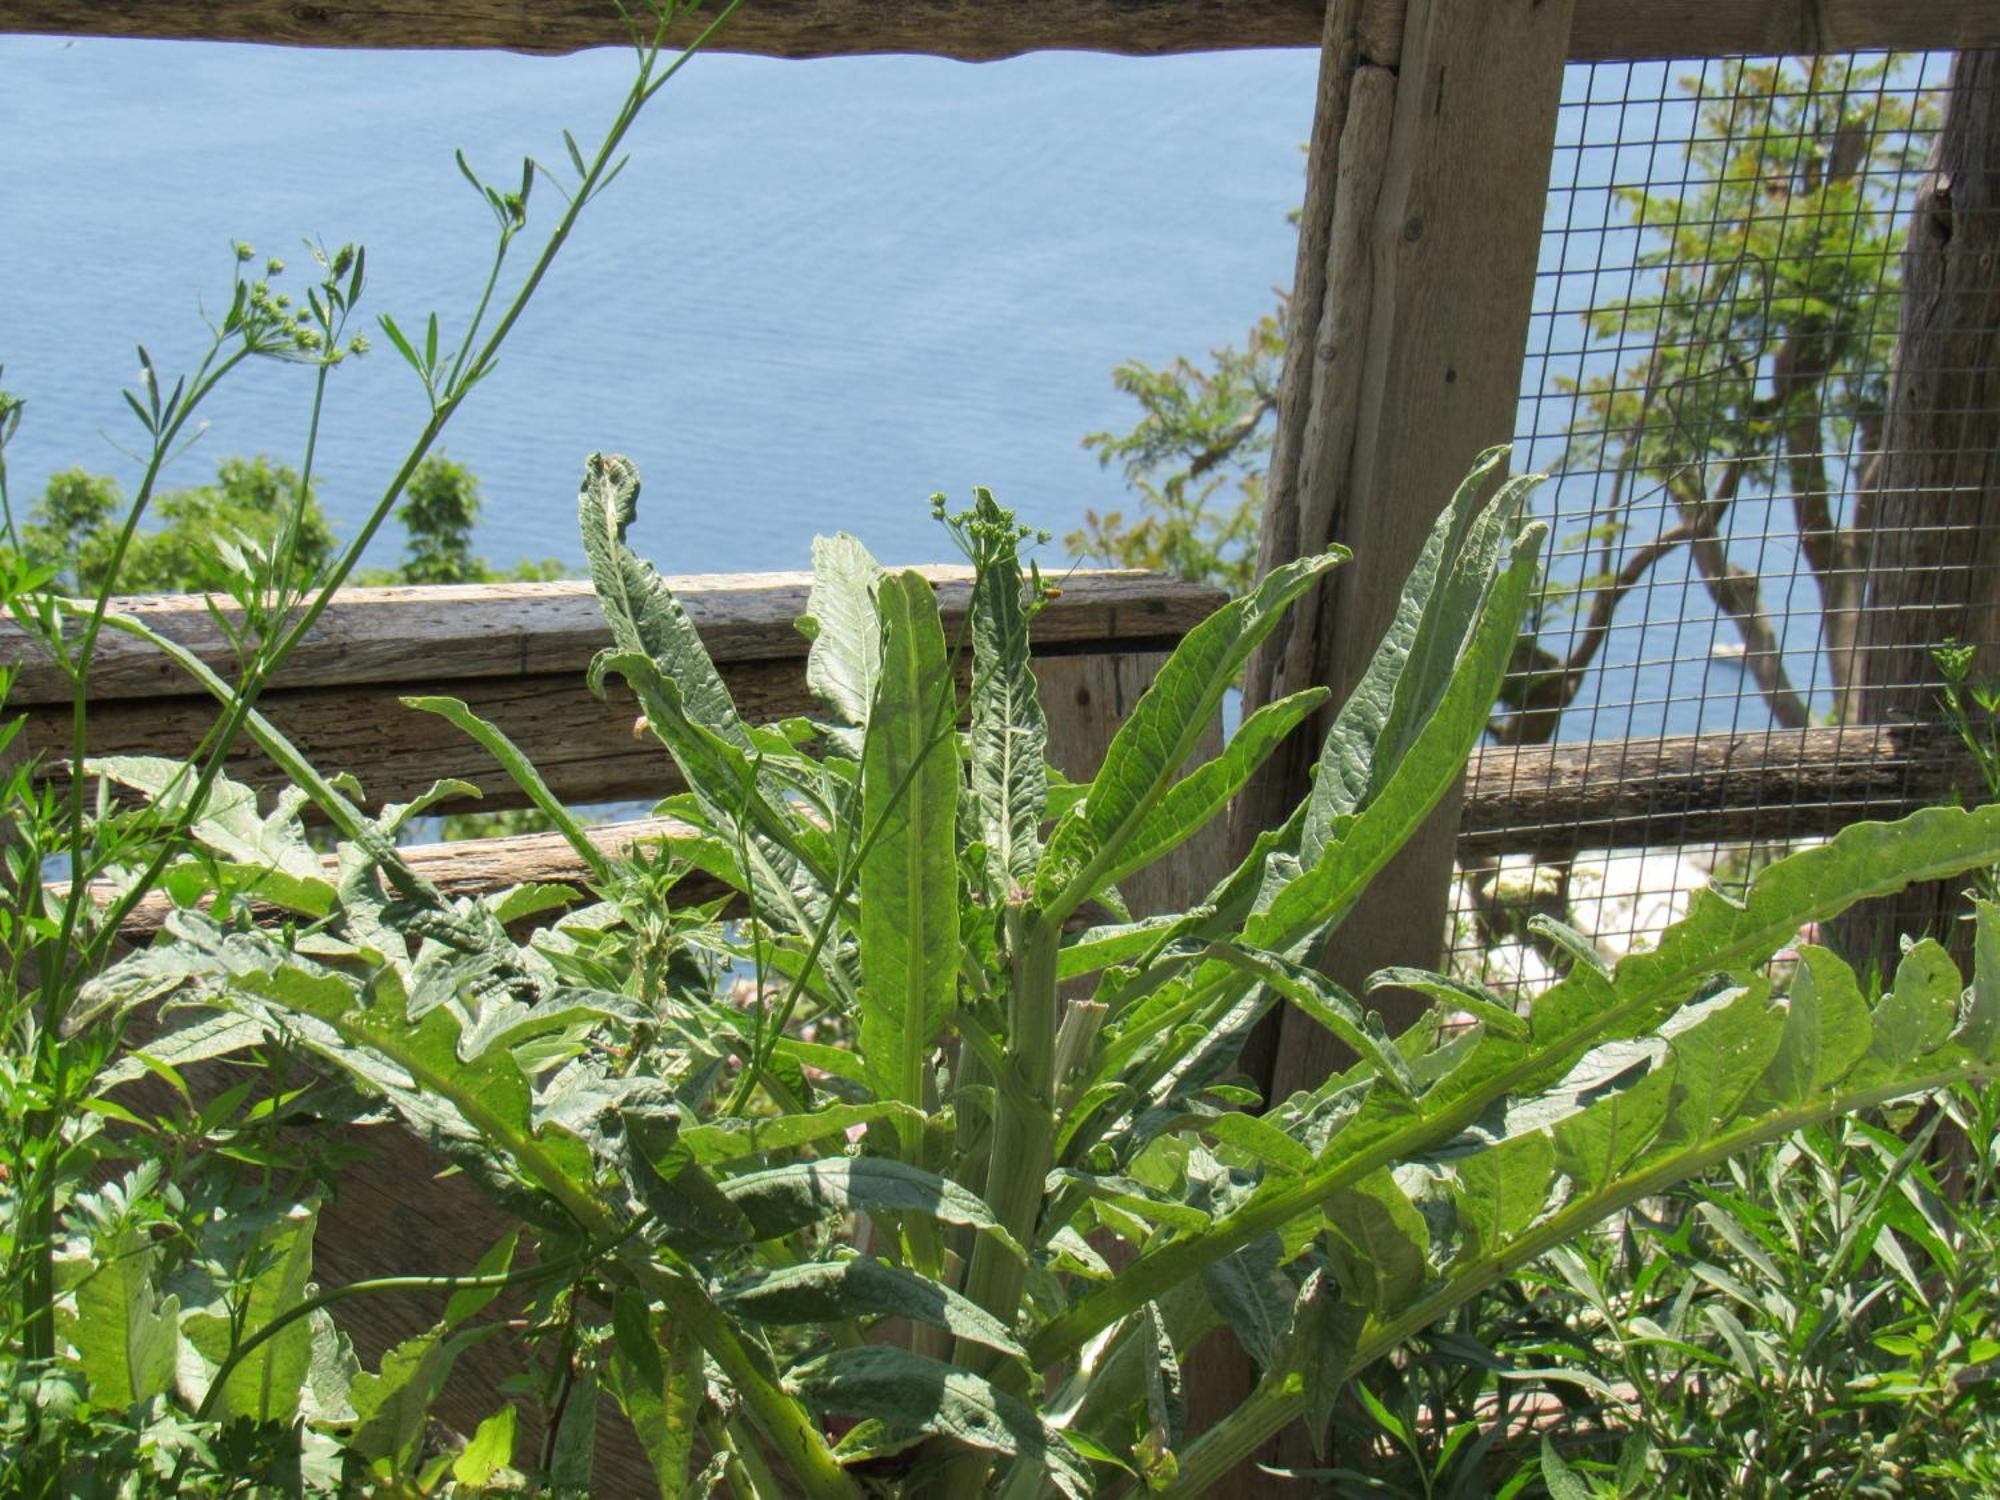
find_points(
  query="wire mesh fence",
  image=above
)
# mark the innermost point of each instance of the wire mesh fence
(1761, 376)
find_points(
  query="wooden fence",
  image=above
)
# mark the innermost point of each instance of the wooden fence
(982, 30)
(1428, 166)
(517, 653)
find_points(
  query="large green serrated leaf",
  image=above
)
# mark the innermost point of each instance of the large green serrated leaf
(1252, 1296)
(1426, 769)
(909, 879)
(1594, 1145)
(908, 1392)
(1164, 729)
(644, 615)
(1501, 1190)
(1008, 740)
(124, 1330)
(834, 1291)
(845, 660)
(1196, 799)
(1433, 618)
(779, 1200)
(656, 1377)
(1915, 1014)
(733, 1140)
(265, 1385)
(229, 823)
(1979, 1030)
(1380, 1244)
(1719, 1059)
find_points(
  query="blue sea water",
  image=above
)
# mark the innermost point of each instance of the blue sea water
(820, 292)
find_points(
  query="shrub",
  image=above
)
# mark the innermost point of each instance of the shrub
(968, 1166)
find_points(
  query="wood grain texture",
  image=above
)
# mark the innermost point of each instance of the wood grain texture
(446, 632)
(1931, 520)
(1557, 800)
(982, 30)
(1434, 224)
(517, 655)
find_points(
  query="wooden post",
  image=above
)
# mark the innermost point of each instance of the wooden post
(1931, 518)
(1428, 173)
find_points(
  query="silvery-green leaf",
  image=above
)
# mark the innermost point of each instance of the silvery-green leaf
(908, 1391)
(834, 1291)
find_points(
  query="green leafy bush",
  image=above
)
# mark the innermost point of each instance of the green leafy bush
(968, 1165)
(156, 1332)
(74, 526)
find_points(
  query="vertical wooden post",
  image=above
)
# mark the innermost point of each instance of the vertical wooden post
(1428, 173)
(1930, 518)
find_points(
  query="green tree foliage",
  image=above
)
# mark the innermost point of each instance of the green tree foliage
(1195, 461)
(1763, 313)
(75, 524)
(438, 513)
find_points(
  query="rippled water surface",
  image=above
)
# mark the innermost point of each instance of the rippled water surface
(820, 292)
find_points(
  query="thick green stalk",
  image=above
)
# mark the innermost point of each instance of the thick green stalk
(1022, 1151)
(1024, 1131)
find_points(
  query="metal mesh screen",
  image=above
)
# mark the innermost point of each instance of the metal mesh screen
(1745, 572)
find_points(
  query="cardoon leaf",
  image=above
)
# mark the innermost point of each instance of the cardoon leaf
(1164, 729)
(779, 1200)
(1195, 800)
(229, 823)
(1502, 1189)
(845, 661)
(1915, 1015)
(656, 1377)
(909, 881)
(1719, 1059)
(908, 1392)
(734, 1139)
(1380, 1244)
(1979, 1030)
(642, 611)
(265, 1384)
(1594, 1145)
(835, 1291)
(1008, 742)
(1407, 674)
(1308, 906)
(523, 773)
(124, 1331)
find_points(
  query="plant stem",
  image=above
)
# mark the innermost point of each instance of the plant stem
(312, 1305)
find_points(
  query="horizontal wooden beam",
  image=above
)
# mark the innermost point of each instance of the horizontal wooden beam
(1556, 800)
(454, 633)
(482, 867)
(984, 30)
(516, 654)
(1550, 801)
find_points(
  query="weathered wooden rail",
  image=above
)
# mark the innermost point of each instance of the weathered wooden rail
(518, 653)
(982, 30)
